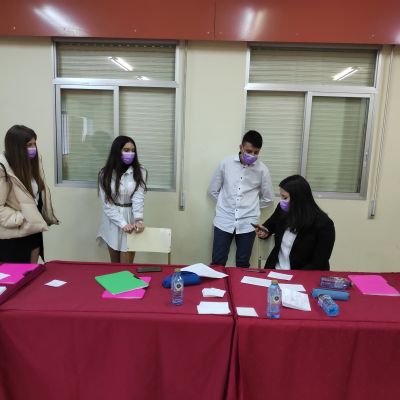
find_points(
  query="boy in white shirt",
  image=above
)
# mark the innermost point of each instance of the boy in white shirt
(240, 185)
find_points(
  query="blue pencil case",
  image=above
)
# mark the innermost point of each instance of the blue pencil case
(335, 294)
(189, 278)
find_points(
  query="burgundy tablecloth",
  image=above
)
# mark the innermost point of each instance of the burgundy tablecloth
(68, 343)
(307, 355)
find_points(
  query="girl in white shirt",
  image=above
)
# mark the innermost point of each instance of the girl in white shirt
(122, 185)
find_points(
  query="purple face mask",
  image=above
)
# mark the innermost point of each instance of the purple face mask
(32, 152)
(127, 157)
(285, 205)
(248, 158)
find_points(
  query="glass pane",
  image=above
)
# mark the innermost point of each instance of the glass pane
(278, 116)
(336, 146)
(313, 66)
(87, 132)
(116, 61)
(148, 116)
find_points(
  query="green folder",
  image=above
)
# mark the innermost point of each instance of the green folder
(120, 282)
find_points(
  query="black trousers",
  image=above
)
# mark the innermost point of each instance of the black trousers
(222, 245)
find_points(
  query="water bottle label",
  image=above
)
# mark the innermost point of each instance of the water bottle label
(276, 299)
(178, 286)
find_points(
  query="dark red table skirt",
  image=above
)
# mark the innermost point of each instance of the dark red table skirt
(307, 355)
(68, 343)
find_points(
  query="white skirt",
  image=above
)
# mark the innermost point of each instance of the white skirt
(111, 234)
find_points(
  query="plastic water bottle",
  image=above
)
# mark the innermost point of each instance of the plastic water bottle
(177, 287)
(328, 305)
(274, 300)
(334, 282)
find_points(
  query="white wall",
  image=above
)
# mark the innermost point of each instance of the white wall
(213, 121)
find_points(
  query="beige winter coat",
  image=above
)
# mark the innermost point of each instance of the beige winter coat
(19, 215)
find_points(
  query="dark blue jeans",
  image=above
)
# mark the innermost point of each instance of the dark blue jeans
(222, 244)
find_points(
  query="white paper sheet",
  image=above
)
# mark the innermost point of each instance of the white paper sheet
(204, 270)
(256, 281)
(213, 307)
(55, 283)
(278, 275)
(2, 289)
(2, 276)
(290, 286)
(213, 292)
(246, 312)
(296, 300)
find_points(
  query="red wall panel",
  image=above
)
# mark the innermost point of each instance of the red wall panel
(150, 19)
(307, 21)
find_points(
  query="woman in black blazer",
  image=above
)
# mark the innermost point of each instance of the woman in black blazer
(304, 234)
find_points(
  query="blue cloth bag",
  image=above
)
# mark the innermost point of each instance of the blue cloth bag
(335, 294)
(189, 278)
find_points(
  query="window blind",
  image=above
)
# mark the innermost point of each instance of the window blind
(148, 116)
(312, 66)
(87, 132)
(278, 116)
(95, 60)
(337, 136)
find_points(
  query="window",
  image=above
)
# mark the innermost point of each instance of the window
(104, 89)
(313, 107)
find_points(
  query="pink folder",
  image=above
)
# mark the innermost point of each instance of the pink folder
(16, 271)
(374, 285)
(130, 294)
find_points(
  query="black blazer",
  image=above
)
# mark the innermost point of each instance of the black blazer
(311, 248)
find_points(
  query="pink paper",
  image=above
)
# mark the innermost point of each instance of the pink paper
(130, 294)
(374, 285)
(16, 271)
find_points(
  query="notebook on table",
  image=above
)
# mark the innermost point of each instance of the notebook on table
(120, 282)
(130, 294)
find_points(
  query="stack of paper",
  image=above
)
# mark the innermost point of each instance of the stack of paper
(130, 294)
(267, 282)
(246, 311)
(213, 292)
(55, 283)
(204, 270)
(292, 287)
(278, 275)
(120, 282)
(296, 300)
(211, 307)
(250, 280)
(374, 285)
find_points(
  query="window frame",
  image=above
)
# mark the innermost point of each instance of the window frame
(319, 90)
(114, 85)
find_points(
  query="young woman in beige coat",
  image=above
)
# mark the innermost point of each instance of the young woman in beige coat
(25, 204)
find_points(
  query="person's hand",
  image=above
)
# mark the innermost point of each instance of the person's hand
(138, 226)
(261, 232)
(128, 228)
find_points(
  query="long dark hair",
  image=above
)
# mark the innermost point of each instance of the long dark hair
(303, 209)
(16, 154)
(115, 165)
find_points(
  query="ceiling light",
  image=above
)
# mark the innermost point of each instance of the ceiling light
(345, 73)
(121, 63)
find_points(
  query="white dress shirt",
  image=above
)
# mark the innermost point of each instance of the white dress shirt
(284, 252)
(114, 217)
(240, 190)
